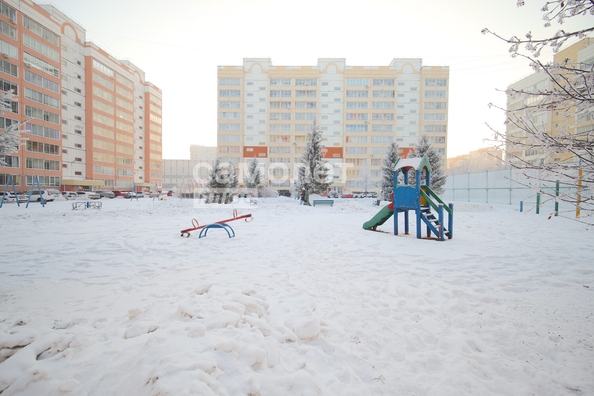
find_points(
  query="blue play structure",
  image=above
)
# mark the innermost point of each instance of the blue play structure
(428, 207)
(224, 226)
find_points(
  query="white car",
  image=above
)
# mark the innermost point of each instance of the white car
(87, 195)
(38, 195)
(69, 194)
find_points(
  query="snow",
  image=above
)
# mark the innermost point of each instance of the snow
(302, 301)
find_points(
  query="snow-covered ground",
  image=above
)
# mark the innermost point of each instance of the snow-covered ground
(302, 301)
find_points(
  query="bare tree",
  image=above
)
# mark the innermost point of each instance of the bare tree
(544, 153)
(10, 139)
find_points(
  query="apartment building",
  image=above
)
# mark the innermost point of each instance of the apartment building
(547, 119)
(94, 121)
(483, 159)
(180, 173)
(266, 112)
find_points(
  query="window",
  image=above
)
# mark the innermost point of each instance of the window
(278, 93)
(385, 106)
(357, 105)
(229, 93)
(41, 81)
(436, 82)
(229, 104)
(357, 93)
(382, 117)
(383, 94)
(102, 68)
(356, 139)
(40, 30)
(434, 128)
(42, 98)
(382, 139)
(383, 82)
(435, 105)
(382, 128)
(41, 114)
(306, 82)
(429, 94)
(357, 82)
(434, 117)
(356, 116)
(230, 81)
(285, 82)
(306, 93)
(356, 150)
(8, 67)
(356, 128)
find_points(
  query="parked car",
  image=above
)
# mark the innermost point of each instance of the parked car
(140, 194)
(118, 193)
(105, 193)
(358, 195)
(69, 194)
(88, 195)
(332, 194)
(55, 193)
(170, 193)
(371, 195)
(346, 194)
(8, 196)
(129, 194)
(38, 195)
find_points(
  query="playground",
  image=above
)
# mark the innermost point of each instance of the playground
(302, 300)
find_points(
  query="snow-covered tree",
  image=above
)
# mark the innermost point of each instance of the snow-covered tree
(313, 174)
(387, 173)
(222, 183)
(253, 178)
(438, 176)
(568, 92)
(10, 139)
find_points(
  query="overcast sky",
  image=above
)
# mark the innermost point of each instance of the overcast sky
(180, 43)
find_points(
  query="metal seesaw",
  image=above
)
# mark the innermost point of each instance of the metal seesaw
(196, 226)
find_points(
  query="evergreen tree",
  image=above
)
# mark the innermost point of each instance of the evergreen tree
(253, 178)
(387, 173)
(232, 183)
(438, 176)
(217, 183)
(313, 174)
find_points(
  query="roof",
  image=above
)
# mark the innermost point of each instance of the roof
(412, 163)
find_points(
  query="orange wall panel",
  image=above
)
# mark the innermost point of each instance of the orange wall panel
(333, 152)
(255, 151)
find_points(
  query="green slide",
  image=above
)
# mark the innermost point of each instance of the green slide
(379, 219)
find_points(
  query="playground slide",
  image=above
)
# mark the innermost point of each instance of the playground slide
(380, 218)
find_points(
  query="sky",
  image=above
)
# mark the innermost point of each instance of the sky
(180, 43)
(99, 307)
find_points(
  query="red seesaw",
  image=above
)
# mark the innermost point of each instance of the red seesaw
(186, 232)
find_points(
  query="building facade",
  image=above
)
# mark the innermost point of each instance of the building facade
(547, 118)
(481, 160)
(266, 112)
(179, 174)
(93, 121)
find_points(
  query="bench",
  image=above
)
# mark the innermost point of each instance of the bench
(323, 202)
(86, 205)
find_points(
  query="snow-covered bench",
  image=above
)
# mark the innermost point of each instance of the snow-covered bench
(323, 202)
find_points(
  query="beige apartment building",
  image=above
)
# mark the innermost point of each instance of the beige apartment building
(548, 120)
(266, 111)
(181, 174)
(95, 122)
(484, 159)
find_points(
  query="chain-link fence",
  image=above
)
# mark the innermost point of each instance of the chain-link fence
(508, 186)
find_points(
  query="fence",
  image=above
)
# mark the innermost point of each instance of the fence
(506, 186)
